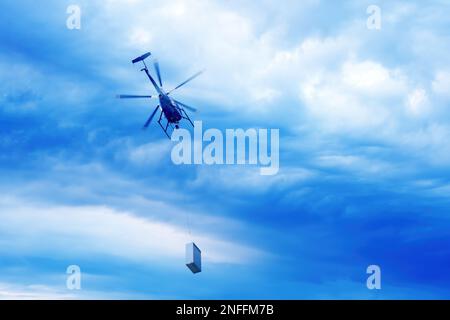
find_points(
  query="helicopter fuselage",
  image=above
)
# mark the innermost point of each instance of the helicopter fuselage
(170, 109)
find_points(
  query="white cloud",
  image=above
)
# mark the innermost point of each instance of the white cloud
(140, 37)
(84, 231)
(361, 165)
(149, 153)
(441, 84)
(356, 97)
(372, 78)
(245, 64)
(10, 291)
(428, 143)
(417, 102)
(248, 178)
(35, 291)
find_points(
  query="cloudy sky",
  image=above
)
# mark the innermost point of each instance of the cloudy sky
(364, 150)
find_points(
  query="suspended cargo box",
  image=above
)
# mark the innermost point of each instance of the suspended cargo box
(193, 258)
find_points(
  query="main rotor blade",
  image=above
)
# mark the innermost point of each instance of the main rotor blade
(157, 88)
(158, 73)
(188, 80)
(141, 58)
(130, 96)
(186, 106)
(150, 119)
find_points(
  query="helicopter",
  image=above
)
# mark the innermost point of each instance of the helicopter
(172, 110)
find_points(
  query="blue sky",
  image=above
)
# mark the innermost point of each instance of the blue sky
(364, 153)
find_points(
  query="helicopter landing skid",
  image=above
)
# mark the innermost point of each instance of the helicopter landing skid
(184, 115)
(166, 126)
